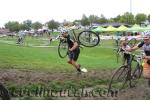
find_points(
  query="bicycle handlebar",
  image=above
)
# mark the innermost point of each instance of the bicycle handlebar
(138, 58)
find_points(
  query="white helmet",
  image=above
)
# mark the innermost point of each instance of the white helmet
(146, 34)
(64, 31)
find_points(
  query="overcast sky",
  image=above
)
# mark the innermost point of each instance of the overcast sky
(45, 10)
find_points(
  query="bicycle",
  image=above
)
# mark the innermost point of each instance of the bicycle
(84, 38)
(4, 94)
(125, 74)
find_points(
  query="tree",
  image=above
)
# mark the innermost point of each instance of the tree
(117, 19)
(102, 19)
(28, 24)
(13, 26)
(140, 18)
(85, 21)
(127, 18)
(52, 25)
(111, 20)
(148, 17)
(23, 26)
(93, 19)
(76, 22)
(36, 25)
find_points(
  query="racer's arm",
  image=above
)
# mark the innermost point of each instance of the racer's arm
(147, 57)
(134, 48)
(74, 46)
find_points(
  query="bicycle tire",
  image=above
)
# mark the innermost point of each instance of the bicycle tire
(63, 49)
(4, 94)
(116, 54)
(132, 42)
(136, 74)
(119, 78)
(119, 57)
(88, 38)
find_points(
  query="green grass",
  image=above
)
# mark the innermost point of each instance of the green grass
(47, 58)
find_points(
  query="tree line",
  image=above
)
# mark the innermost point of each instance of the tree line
(127, 18)
(15, 26)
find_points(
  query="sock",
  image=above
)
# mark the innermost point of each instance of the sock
(79, 70)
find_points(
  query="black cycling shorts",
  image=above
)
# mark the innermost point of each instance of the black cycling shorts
(73, 55)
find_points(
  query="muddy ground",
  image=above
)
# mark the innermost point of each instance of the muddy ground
(21, 77)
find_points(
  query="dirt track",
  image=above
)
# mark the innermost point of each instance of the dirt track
(20, 77)
(27, 76)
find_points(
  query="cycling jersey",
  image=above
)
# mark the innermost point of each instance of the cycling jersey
(146, 47)
(70, 41)
(75, 53)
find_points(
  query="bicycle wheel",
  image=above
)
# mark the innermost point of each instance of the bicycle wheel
(63, 49)
(119, 55)
(88, 38)
(4, 94)
(118, 80)
(132, 42)
(116, 54)
(136, 74)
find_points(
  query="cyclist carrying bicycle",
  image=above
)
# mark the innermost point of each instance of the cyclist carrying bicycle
(74, 50)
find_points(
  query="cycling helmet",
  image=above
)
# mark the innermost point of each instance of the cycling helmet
(124, 43)
(65, 34)
(146, 34)
(64, 31)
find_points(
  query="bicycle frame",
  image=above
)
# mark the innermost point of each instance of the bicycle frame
(74, 35)
(77, 39)
(131, 73)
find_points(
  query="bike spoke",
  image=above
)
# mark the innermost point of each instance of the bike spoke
(63, 49)
(88, 38)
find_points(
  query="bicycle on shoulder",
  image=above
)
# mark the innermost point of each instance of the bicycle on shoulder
(85, 38)
(127, 75)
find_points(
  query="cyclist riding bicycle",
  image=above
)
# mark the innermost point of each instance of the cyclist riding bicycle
(21, 36)
(74, 50)
(145, 44)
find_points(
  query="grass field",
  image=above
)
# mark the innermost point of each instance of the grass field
(31, 68)
(46, 60)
